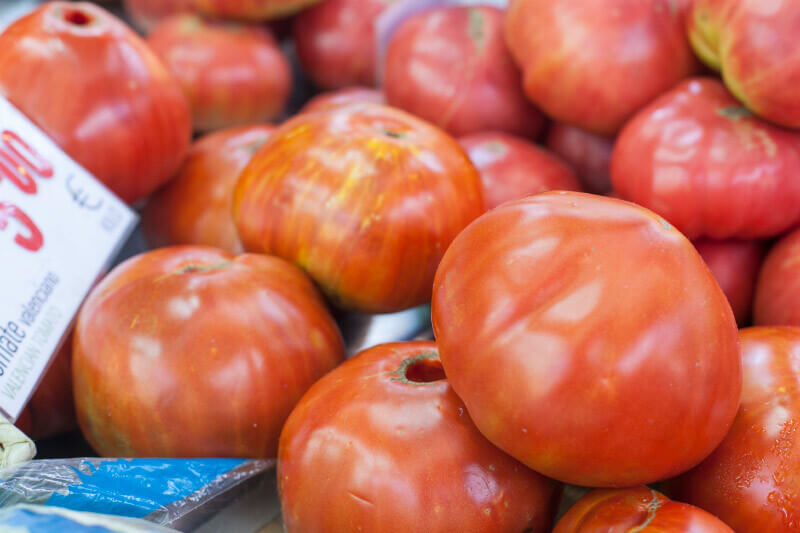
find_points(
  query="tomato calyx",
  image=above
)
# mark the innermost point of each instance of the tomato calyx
(421, 370)
(192, 268)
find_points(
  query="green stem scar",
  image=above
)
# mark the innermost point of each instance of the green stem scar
(423, 369)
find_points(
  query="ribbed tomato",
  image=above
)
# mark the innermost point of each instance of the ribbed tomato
(587, 153)
(777, 299)
(346, 96)
(146, 13)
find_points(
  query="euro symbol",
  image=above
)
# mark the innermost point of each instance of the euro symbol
(82, 198)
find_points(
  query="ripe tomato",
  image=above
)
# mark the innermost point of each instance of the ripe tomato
(512, 168)
(587, 153)
(383, 443)
(777, 299)
(365, 198)
(587, 339)
(341, 97)
(193, 352)
(195, 207)
(751, 481)
(703, 162)
(146, 13)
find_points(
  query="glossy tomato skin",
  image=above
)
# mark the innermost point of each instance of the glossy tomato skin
(336, 42)
(512, 168)
(700, 160)
(638, 509)
(146, 13)
(194, 352)
(587, 153)
(450, 66)
(196, 206)
(384, 444)
(750, 481)
(777, 299)
(99, 93)
(254, 10)
(579, 58)
(233, 74)
(365, 198)
(587, 339)
(342, 97)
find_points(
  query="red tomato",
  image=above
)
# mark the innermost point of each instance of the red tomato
(587, 153)
(384, 444)
(365, 198)
(777, 300)
(751, 481)
(342, 97)
(587, 339)
(640, 510)
(335, 41)
(99, 92)
(513, 168)
(196, 206)
(250, 9)
(592, 64)
(449, 65)
(194, 352)
(146, 13)
(233, 74)
(700, 160)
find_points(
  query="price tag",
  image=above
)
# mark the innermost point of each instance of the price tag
(59, 231)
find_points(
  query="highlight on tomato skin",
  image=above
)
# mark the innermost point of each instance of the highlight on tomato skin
(777, 298)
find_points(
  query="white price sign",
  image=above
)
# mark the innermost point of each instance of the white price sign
(59, 231)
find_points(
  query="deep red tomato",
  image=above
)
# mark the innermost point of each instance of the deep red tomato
(233, 74)
(193, 352)
(341, 97)
(592, 64)
(735, 265)
(449, 65)
(383, 443)
(146, 13)
(639, 510)
(365, 198)
(196, 206)
(777, 300)
(703, 162)
(587, 339)
(250, 9)
(751, 480)
(589, 154)
(512, 168)
(99, 92)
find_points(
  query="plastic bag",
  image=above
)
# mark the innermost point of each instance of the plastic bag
(34, 518)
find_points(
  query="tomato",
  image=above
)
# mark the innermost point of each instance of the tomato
(194, 352)
(365, 198)
(700, 160)
(777, 299)
(347, 96)
(383, 443)
(513, 168)
(449, 65)
(593, 64)
(750, 481)
(99, 92)
(587, 339)
(250, 9)
(146, 13)
(638, 509)
(588, 154)
(195, 207)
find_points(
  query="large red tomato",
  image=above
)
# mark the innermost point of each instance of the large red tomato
(383, 443)
(196, 207)
(99, 92)
(365, 198)
(587, 339)
(703, 162)
(194, 352)
(751, 480)
(593, 63)
(589, 154)
(146, 13)
(777, 300)
(512, 168)
(735, 266)
(450, 66)
(250, 9)
(754, 44)
(233, 74)
(639, 510)
(342, 97)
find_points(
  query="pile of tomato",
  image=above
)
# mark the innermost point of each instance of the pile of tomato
(593, 195)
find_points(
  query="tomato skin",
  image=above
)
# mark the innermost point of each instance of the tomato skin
(578, 57)
(450, 66)
(196, 206)
(144, 14)
(343, 97)
(625, 510)
(368, 450)
(354, 196)
(700, 160)
(587, 153)
(778, 287)
(194, 352)
(99, 93)
(512, 168)
(563, 315)
(254, 10)
(750, 481)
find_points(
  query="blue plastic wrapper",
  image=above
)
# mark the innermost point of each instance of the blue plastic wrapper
(177, 493)
(35, 518)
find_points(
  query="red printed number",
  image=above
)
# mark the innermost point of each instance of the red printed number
(28, 155)
(33, 241)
